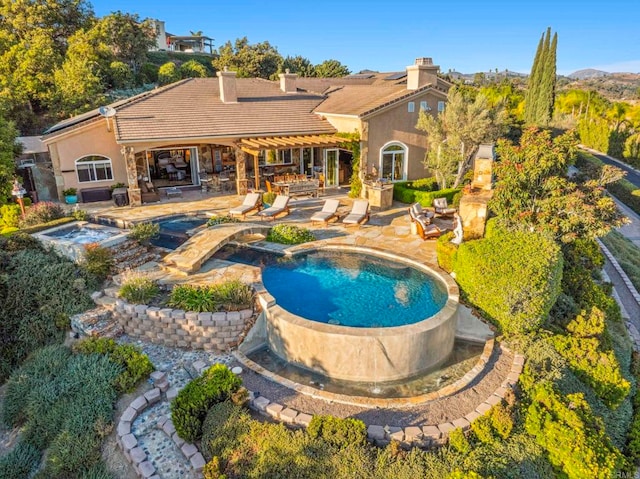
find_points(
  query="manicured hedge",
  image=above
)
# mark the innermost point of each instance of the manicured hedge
(289, 234)
(446, 252)
(406, 193)
(46, 226)
(189, 409)
(514, 277)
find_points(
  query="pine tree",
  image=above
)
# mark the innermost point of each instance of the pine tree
(542, 82)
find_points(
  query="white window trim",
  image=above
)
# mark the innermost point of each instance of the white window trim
(441, 106)
(405, 166)
(411, 107)
(93, 163)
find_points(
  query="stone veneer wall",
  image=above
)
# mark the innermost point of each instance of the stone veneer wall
(177, 328)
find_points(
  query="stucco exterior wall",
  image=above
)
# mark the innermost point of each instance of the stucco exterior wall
(345, 124)
(397, 124)
(95, 139)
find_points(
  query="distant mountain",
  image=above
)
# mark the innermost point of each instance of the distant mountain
(588, 73)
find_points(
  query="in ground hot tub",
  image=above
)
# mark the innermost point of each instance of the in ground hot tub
(359, 315)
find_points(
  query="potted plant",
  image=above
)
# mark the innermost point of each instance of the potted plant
(70, 196)
(268, 198)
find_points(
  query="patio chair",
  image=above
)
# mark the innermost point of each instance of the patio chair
(441, 207)
(148, 192)
(359, 213)
(328, 212)
(251, 202)
(280, 205)
(427, 231)
(416, 211)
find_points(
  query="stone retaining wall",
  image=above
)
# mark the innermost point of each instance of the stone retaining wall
(176, 328)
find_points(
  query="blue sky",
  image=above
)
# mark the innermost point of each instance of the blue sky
(464, 35)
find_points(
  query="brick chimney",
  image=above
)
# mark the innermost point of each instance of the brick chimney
(422, 73)
(288, 82)
(228, 92)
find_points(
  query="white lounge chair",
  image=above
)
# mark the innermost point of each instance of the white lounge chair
(280, 205)
(251, 202)
(359, 213)
(328, 212)
(416, 211)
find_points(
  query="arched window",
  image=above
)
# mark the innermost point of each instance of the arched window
(393, 159)
(94, 168)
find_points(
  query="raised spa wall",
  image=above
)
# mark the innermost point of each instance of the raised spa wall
(364, 354)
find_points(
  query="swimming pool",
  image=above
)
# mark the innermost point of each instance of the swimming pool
(353, 289)
(175, 230)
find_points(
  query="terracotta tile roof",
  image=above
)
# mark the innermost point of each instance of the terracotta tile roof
(364, 99)
(193, 109)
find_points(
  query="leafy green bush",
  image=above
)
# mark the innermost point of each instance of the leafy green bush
(633, 437)
(42, 212)
(338, 432)
(168, 73)
(230, 296)
(138, 288)
(459, 441)
(224, 429)
(446, 252)
(513, 277)
(598, 368)
(80, 215)
(406, 193)
(289, 234)
(268, 198)
(193, 69)
(21, 462)
(223, 219)
(10, 215)
(136, 364)
(144, 232)
(190, 407)
(98, 261)
(483, 430)
(425, 184)
(574, 439)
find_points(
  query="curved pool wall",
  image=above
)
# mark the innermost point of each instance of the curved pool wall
(365, 354)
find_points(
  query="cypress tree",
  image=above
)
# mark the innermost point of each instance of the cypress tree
(548, 86)
(531, 96)
(540, 95)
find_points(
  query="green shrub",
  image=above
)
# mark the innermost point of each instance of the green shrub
(98, 261)
(21, 462)
(406, 193)
(230, 296)
(459, 441)
(69, 192)
(10, 215)
(42, 212)
(627, 254)
(80, 215)
(138, 288)
(136, 365)
(193, 69)
(8, 230)
(168, 73)
(268, 198)
(40, 291)
(149, 73)
(501, 420)
(340, 433)
(599, 369)
(212, 469)
(289, 234)
(483, 430)
(572, 436)
(190, 407)
(144, 232)
(513, 277)
(65, 403)
(223, 429)
(626, 192)
(446, 252)
(425, 184)
(223, 219)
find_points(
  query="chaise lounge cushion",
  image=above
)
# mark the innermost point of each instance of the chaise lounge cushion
(359, 213)
(251, 202)
(328, 212)
(280, 205)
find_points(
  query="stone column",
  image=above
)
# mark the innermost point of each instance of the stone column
(241, 171)
(135, 198)
(473, 213)
(364, 156)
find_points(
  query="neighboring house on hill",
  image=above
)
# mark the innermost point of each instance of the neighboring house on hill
(185, 44)
(175, 134)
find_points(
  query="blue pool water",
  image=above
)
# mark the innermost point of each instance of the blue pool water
(350, 289)
(173, 231)
(82, 234)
